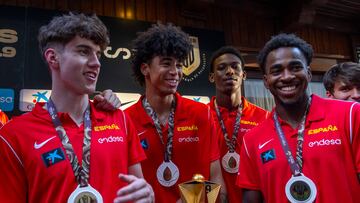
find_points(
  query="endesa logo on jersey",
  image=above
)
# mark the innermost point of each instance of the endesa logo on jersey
(6, 99)
(29, 97)
(111, 139)
(189, 139)
(325, 142)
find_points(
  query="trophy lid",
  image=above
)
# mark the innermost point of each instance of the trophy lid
(198, 178)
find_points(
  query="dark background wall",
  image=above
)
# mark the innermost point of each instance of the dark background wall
(330, 26)
(247, 24)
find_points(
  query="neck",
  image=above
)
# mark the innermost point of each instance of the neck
(73, 104)
(294, 113)
(161, 105)
(229, 101)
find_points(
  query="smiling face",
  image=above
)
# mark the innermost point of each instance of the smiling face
(163, 74)
(345, 91)
(287, 75)
(228, 73)
(77, 65)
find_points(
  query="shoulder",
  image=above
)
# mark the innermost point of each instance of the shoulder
(16, 127)
(257, 132)
(186, 103)
(334, 105)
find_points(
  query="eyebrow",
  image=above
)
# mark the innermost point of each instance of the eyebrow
(84, 46)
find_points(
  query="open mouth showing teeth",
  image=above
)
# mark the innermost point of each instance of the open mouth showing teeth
(90, 75)
(288, 88)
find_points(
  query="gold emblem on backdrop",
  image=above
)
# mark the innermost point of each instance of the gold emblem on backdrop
(192, 62)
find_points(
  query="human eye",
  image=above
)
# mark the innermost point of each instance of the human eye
(221, 66)
(236, 66)
(275, 71)
(83, 51)
(345, 88)
(179, 65)
(297, 67)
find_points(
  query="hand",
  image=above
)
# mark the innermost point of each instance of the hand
(138, 190)
(107, 101)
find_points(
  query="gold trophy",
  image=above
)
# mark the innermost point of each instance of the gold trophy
(199, 191)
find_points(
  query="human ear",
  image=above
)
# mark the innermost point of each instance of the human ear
(265, 80)
(144, 68)
(51, 57)
(211, 77)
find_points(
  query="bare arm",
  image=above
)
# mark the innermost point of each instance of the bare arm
(137, 190)
(252, 196)
(216, 176)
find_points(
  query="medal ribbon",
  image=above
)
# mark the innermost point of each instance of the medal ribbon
(169, 143)
(81, 172)
(296, 167)
(230, 143)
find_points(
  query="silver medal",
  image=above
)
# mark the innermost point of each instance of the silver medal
(167, 174)
(85, 195)
(300, 189)
(230, 162)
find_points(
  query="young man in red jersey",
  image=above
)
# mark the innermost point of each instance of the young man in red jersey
(308, 149)
(342, 81)
(176, 133)
(66, 150)
(232, 113)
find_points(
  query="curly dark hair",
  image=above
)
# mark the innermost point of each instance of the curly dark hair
(285, 40)
(347, 72)
(62, 29)
(159, 40)
(225, 50)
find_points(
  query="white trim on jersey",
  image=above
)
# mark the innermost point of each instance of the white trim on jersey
(125, 126)
(350, 123)
(12, 149)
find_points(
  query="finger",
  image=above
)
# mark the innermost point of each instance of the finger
(98, 98)
(136, 195)
(107, 93)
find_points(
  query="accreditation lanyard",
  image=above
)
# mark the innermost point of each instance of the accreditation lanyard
(169, 144)
(296, 166)
(81, 172)
(230, 143)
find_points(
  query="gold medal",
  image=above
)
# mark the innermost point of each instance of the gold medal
(85, 195)
(300, 189)
(167, 174)
(230, 162)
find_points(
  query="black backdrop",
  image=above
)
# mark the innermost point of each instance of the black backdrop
(26, 70)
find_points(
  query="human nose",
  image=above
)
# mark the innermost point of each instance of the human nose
(355, 94)
(229, 70)
(287, 75)
(173, 68)
(94, 61)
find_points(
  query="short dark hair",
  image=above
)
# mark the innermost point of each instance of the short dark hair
(225, 50)
(347, 72)
(62, 29)
(159, 40)
(285, 40)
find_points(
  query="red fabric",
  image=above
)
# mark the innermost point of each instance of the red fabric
(24, 175)
(329, 159)
(194, 144)
(252, 115)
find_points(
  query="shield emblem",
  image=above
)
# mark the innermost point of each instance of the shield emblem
(192, 62)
